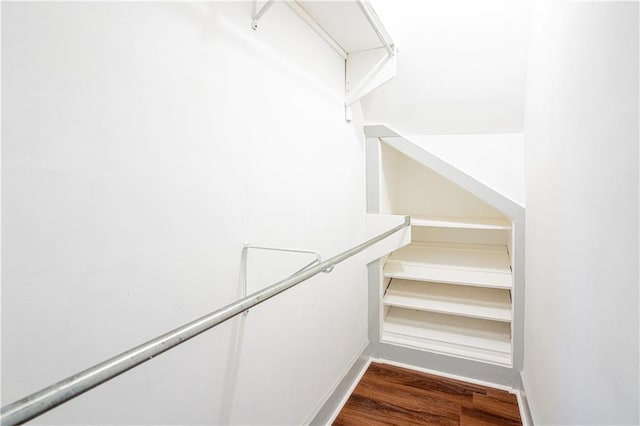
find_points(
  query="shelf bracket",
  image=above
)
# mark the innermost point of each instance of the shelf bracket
(245, 254)
(257, 14)
(366, 71)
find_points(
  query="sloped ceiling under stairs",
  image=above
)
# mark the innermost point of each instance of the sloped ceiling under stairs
(461, 66)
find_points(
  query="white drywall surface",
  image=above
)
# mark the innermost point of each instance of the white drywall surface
(143, 144)
(496, 160)
(581, 151)
(461, 66)
(410, 188)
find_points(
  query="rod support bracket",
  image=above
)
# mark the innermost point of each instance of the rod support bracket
(257, 14)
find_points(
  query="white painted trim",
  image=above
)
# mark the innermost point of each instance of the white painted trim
(518, 292)
(372, 172)
(447, 375)
(342, 389)
(379, 130)
(375, 310)
(524, 409)
(527, 403)
(489, 223)
(347, 394)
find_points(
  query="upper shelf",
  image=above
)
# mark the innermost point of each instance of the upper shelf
(353, 25)
(494, 223)
(355, 32)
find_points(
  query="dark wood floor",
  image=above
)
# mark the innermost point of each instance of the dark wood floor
(389, 395)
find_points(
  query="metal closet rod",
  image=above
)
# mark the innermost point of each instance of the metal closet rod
(50, 397)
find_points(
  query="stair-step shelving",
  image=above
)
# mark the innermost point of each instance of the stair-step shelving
(479, 340)
(465, 264)
(452, 298)
(489, 304)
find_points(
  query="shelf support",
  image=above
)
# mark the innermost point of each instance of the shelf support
(369, 69)
(257, 14)
(366, 71)
(245, 256)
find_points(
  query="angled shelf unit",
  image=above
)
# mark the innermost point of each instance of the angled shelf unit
(451, 298)
(449, 291)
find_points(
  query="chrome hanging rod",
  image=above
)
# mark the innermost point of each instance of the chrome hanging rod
(52, 396)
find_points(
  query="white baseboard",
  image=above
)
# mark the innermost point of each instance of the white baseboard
(448, 375)
(525, 416)
(468, 370)
(526, 408)
(523, 402)
(329, 408)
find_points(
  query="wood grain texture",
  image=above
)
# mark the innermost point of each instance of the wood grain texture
(389, 395)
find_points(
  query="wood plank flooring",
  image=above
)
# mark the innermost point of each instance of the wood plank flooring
(389, 395)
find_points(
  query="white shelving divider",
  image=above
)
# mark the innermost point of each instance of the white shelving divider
(355, 32)
(481, 340)
(490, 304)
(464, 264)
(452, 298)
(494, 223)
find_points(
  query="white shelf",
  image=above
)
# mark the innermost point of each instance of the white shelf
(480, 340)
(355, 32)
(466, 264)
(345, 22)
(491, 223)
(484, 303)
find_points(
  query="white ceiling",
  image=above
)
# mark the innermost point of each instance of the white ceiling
(461, 66)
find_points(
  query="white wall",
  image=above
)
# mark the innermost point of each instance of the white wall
(581, 151)
(496, 160)
(409, 188)
(461, 66)
(143, 143)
